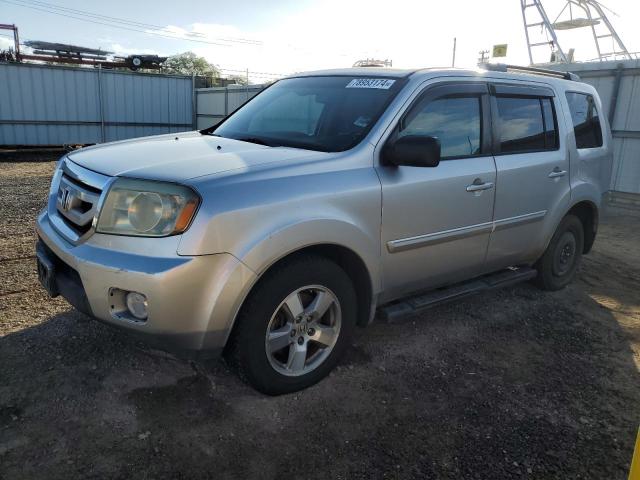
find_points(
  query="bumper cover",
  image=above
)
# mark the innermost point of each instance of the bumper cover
(192, 300)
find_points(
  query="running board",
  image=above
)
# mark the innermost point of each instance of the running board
(417, 303)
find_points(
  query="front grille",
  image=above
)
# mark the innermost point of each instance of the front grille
(75, 201)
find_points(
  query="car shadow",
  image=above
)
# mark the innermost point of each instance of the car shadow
(507, 384)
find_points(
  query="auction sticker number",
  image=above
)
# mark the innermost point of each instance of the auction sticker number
(381, 83)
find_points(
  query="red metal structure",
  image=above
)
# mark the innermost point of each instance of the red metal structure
(16, 39)
(73, 54)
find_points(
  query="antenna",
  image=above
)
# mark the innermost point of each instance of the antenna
(484, 57)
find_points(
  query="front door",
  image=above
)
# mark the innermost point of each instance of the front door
(436, 222)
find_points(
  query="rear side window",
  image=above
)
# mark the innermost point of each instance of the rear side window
(586, 122)
(527, 124)
(455, 121)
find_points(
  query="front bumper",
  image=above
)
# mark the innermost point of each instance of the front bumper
(192, 300)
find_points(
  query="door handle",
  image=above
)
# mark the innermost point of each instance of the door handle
(556, 173)
(478, 186)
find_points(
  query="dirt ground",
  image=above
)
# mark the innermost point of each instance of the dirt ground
(516, 383)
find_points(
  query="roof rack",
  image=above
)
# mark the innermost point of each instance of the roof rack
(501, 67)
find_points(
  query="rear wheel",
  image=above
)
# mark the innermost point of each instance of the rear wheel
(557, 267)
(295, 325)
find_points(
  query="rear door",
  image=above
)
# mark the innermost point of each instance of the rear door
(436, 221)
(592, 153)
(532, 187)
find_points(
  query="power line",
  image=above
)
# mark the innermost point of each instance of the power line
(269, 74)
(125, 21)
(89, 14)
(230, 70)
(135, 26)
(108, 21)
(116, 26)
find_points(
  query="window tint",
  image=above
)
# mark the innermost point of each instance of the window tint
(455, 121)
(330, 114)
(526, 124)
(586, 122)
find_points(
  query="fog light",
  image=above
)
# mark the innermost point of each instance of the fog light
(137, 305)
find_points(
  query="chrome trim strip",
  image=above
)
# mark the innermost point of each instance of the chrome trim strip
(76, 194)
(518, 220)
(87, 177)
(84, 175)
(419, 241)
(410, 243)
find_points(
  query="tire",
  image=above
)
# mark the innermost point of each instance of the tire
(557, 266)
(273, 328)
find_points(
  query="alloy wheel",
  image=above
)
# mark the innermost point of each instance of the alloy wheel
(303, 330)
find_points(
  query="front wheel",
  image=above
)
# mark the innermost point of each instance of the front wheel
(557, 267)
(295, 325)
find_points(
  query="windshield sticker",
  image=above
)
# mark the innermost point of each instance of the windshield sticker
(380, 83)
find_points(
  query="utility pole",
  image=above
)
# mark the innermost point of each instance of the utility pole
(246, 89)
(455, 42)
(484, 56)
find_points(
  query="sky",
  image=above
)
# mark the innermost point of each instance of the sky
(277, 37)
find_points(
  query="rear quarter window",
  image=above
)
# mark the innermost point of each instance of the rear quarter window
(586, 120)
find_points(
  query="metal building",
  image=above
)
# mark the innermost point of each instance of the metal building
(54, 105)
(214, 104)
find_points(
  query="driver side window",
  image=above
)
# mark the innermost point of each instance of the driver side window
(455, 121)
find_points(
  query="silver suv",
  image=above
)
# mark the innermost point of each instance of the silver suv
(329, 196)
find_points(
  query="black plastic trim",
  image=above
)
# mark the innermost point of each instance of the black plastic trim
(511, 90)
(455, 89)
(67, 280)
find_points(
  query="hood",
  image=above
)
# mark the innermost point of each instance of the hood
(180, 157)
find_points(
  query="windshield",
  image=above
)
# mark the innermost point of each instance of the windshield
(330, 114)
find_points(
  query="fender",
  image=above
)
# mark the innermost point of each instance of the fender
(580, 192)
(583, 191)
(273, 246)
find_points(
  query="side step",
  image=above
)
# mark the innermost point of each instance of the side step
(417, 303)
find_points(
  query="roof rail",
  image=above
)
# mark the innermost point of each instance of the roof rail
(502, 67)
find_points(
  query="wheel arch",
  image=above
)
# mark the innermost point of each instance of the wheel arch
(352, 263)
(587, 212)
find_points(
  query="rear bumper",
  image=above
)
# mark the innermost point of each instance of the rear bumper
(192, 301)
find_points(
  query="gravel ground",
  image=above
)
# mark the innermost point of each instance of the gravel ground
(515, 383)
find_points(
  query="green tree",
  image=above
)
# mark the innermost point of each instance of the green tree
(188, 63)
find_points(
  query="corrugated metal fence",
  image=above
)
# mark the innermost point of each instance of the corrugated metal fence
(618, 84)
(214, 104)
(52, 105)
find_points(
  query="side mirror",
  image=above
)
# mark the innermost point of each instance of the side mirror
(413, 151)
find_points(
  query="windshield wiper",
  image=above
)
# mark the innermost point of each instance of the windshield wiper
(256, 140)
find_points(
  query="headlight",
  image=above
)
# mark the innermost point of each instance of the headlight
(147, 209)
